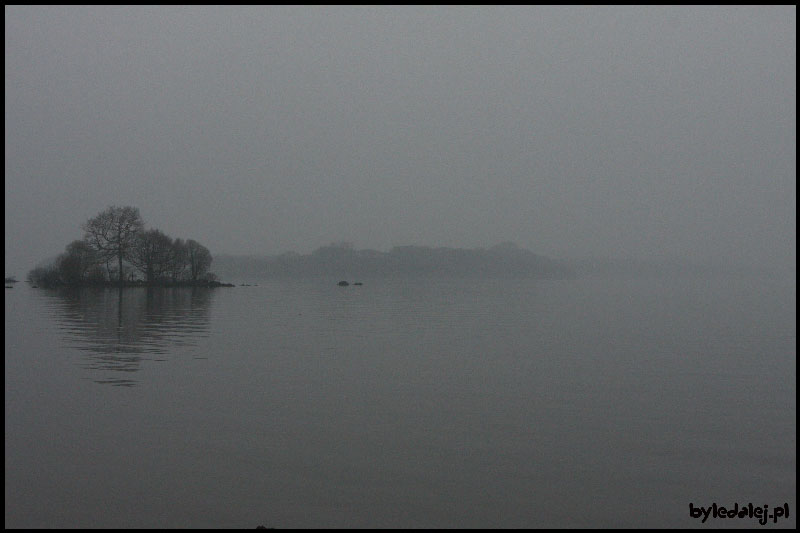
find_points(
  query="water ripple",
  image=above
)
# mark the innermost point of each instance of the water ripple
(117, 330)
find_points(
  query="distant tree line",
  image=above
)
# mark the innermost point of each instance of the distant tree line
(342, 260)
(117, 249)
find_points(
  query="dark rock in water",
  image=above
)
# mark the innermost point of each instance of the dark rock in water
(343, 284)
(357, 283)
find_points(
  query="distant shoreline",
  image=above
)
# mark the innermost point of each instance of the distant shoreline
(342, 259)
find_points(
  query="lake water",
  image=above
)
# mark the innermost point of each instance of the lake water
(401, 403)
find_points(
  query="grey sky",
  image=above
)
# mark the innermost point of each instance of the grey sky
(619, 131)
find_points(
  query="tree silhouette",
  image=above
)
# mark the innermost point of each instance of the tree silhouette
(116, 245)
(151, 253)
(199, 259)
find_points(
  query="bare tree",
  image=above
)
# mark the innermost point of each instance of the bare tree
(78, 263)
(150, 254)
(113, 232)
(178, 259)
(199, 259)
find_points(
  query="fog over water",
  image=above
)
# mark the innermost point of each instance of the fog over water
(626, 132)
(485, 266)
(448, 403)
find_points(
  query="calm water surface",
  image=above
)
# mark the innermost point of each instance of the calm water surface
(401, 403)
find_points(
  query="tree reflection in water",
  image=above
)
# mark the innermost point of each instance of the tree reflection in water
(119, 328)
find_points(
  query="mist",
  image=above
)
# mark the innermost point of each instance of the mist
(646, 133)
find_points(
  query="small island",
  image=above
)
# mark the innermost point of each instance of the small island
(117, 250)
